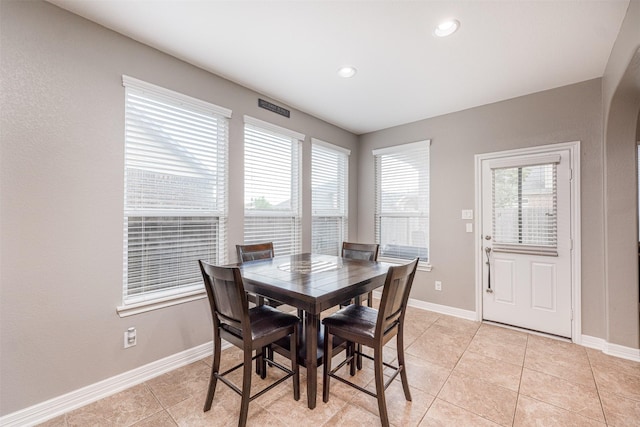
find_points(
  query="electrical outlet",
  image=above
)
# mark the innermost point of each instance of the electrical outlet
(130, 337)
(438, 285)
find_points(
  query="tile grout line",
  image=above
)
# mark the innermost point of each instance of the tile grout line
(449, 376)
(524, 359)
(604, 413)
(435, 396)
(573, 383)
(163, 409)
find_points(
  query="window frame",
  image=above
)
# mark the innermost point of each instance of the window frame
(342, 185)
(295, 189)
(535, 233)
(154, 207)
(378, 214)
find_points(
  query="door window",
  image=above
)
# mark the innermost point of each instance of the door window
(524, 210)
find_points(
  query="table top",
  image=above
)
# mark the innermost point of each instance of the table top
(312, 282)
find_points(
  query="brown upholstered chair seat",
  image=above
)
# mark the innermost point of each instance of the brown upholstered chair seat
(354, 319)
(264, 321)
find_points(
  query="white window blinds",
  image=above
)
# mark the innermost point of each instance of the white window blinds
(329, 183)
(525, 207)
(175, 191)
(272, 186)
(402, 201)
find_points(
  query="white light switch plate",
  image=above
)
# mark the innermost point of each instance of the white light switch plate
(467, 214)
(469, 227)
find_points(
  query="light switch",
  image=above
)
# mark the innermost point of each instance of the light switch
(467, 214)
(469, 227)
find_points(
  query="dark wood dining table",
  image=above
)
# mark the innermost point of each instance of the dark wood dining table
(312, 283)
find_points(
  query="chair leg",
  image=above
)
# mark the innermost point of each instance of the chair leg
(327, 364)
(262, 360)
(355, 357)
(293, 343)
(246, 389)
(370, 299)
(270, 352)
(259, 363)
(358, 358)
(358, 301)
(215, 367)
(402, 365)
(379, 378)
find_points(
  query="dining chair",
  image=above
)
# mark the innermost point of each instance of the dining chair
(255, 252)
(364, 251)
(249, 329)
(373, 328)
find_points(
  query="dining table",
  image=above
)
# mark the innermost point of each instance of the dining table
(312, 283)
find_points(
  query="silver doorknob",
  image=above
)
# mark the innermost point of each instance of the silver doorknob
(487, 237)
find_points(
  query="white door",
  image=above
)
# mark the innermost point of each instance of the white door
(526, 235)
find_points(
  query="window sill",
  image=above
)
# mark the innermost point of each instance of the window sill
(155, 304)
(425, 267)
(395, 261)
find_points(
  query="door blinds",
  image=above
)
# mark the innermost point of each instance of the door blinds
(524, 210)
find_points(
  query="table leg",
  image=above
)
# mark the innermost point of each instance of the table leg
(311, 326)
(358, 301)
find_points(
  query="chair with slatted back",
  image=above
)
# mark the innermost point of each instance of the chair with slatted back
(253, 252)
(364, 251)
(256, 252)
(249, 329)
(373, 328)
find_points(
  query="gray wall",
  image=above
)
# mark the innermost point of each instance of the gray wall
(62, 200)
(61, 195)
(570, 113)
(621, 95)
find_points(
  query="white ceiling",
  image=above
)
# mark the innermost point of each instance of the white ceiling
(290, 50)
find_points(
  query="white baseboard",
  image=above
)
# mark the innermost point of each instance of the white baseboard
(611, 349)
(437, 308)
(443, 309)
(59, 405)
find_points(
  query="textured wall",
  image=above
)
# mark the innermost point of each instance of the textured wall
(62, 129)
(621, 95)
(569, 113)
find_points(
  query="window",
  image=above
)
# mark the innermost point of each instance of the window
(525, 207)
(175, 191)
(329, 183)
(402, 201)
(272, 186)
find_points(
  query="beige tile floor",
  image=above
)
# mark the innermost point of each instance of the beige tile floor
(461, 373)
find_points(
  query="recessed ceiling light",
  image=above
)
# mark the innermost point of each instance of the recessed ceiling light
(446, 28)
(347, 71)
